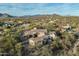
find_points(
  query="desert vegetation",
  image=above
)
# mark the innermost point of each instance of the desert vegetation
(43, 35)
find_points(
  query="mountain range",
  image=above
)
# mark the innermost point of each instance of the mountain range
(5, 15)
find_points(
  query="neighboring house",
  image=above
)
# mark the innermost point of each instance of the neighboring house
(8, 24)
(25, 25)
(67, 28)
(51, 21)
(55, 34)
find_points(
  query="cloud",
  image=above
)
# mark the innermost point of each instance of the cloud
(20, 9)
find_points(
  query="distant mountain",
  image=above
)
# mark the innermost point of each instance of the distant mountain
(40, 15)
(5, 15)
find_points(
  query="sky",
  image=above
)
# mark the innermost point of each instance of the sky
(21, 9)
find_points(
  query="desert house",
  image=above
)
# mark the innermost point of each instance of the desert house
(33, 35)
(37, 32)
(36, 37)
